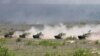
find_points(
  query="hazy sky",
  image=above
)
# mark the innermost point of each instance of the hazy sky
(48, 11)
(51, 1)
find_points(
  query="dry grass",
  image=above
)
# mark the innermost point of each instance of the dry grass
(31, 47)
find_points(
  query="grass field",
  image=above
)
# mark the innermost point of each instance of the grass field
(37, 47)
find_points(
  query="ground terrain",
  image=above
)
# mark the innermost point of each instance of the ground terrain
(38, 47)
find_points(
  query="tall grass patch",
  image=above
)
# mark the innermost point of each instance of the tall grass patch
(5, 52)
(50, 43)
(2, 41)
(82, 52)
